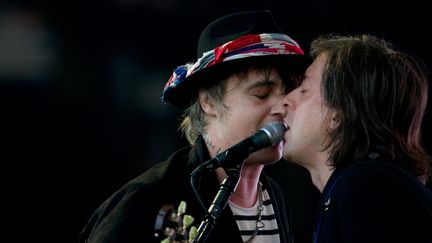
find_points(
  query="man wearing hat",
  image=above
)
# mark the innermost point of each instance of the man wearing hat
(244, 69)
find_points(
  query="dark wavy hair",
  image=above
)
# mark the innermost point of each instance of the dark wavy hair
(379, 96)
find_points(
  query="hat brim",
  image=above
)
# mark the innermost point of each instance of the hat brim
(186, 93)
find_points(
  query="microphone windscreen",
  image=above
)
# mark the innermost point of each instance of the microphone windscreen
(275, 131)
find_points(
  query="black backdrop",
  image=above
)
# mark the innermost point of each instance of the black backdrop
(81, 81)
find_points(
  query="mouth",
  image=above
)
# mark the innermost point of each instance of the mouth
(287, 127)
(285, 133)
(284, 124)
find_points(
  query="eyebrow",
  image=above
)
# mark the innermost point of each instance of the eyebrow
(261, 83)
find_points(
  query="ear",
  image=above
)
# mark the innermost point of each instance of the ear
(207, 103)
(334, 119)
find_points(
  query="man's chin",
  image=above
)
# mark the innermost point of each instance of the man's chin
(271, 157)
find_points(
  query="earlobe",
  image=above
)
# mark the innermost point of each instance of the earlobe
(207, 103)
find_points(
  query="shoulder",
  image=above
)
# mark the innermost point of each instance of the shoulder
(374, 196)
(377, 171)
(152, 180)
(379, 182)
(138, 201)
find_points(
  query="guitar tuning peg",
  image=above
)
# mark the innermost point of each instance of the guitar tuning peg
(181, 208)
(187, 220)
(193, 232)
(166, 240)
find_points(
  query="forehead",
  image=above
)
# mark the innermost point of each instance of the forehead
(315, 71)
(255, 76)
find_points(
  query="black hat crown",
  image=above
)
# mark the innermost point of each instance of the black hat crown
(233, 26)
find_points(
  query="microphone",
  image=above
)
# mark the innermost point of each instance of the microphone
(269, 135)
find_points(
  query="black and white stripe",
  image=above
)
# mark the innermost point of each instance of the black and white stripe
(247, 219)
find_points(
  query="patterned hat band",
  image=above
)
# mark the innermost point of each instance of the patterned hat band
(243, 47)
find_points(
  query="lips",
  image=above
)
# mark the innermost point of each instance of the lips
(285, 134)
(285, 124)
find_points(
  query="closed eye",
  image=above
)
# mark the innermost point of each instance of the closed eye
(262, 96)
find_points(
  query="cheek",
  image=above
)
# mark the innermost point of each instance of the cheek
(311, 119)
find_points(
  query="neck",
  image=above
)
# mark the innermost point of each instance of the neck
(245, 194)
(318, 166)
(320, 175)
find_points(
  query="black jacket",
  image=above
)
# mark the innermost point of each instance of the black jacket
(129, 215)
(375, 202)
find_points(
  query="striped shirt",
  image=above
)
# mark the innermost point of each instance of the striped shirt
(246, 219)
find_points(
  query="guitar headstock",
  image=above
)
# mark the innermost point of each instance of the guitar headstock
(173, 226)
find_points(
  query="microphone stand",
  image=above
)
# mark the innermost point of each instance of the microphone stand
(218, 205)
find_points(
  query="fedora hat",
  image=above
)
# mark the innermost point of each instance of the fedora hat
(248, 36)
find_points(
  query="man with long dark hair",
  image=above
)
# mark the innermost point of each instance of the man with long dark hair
(355, 124)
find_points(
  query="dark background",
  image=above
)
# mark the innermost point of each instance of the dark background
(80, 87)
